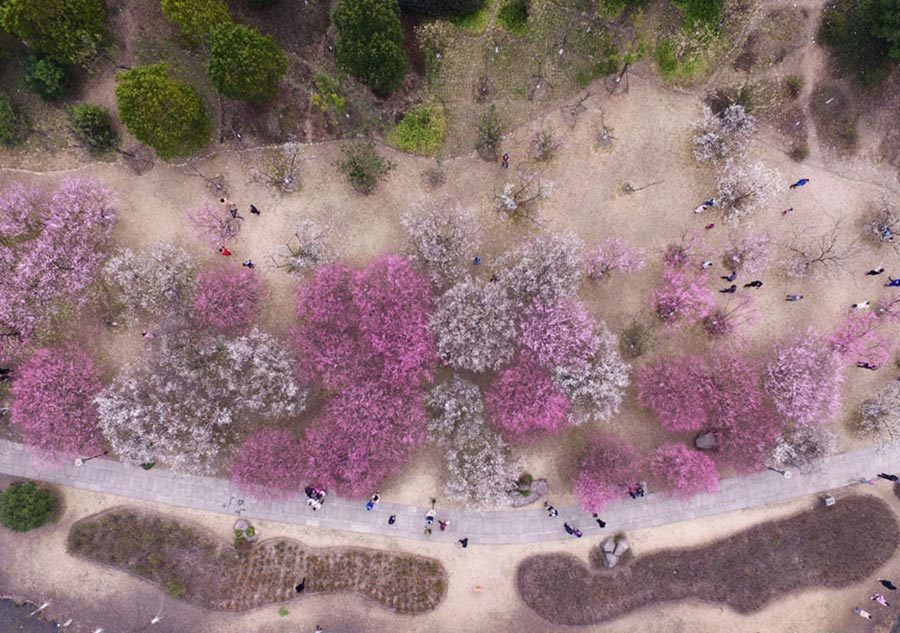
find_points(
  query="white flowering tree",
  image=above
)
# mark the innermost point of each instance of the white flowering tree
(803, 448)
(722, 136)
(474, 325)
(879, 416)
(442, 238)
(546, 267)
(155, 281)
(743, 187)
(181, 404)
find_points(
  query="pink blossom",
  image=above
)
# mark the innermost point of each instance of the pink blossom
(614, 255)
(683, 470)
(525, 402)
(214, 224)
(860, 337)
(268, 464)
(53, 401)
(605, 470)
(676, 389)
(559, 334)
(683, 298)
(228, 298)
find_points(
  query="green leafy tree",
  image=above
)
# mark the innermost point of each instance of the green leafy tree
(69, 31)
(363, 167)
(10, 123)
(370, 42)
(245, 64)
(92, 126)
(24, 506)
(165, 113)
(47, 78)
(196, 19)
(864, 36)
(441, 7)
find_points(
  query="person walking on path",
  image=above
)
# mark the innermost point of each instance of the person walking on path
(370, 504)
(754, 284)
(224, 252)
(504, 160)
(429, 517)
(799, 183)
(599, 521)
(254, 210)
(569, 529)
(706, 265)
(786, 211)
(862, 613)
(551, 511)
(875, 271)
(862, 305)
(709, 226)
(301, 586)
(464, 541)
(476, 260)
(880, 599)
(865, 365)
(233, 210)
(793, 297)
(443, 525)
(889, 477)
(730, 290)
(887, 584)
(248, 264)
(731, 277)
(892, 283)
(392, 519)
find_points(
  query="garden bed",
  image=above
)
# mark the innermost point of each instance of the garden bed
(191, 564)
(826, 547)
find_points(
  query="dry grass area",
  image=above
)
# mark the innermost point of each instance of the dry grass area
(831, 547)
(191, 564)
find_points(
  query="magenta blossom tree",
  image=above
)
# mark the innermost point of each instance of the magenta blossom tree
(558, 335)
(861, 337)
(363, 326)
(684, 471)
(365, 434)
(268, 464)
(51, 248)
(804, 379)
(228, 298)
(613, 255)
(605, 470)
(524, 402)
(683, 298)
(53, 401)
(214, 224)
(676, 389)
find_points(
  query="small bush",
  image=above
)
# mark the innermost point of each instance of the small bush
(46, 78)
(489, 135)
(196, 19)
(421, 130)
(707, 12)
(363, 167)
(666, 58)
(793, 85)
(543, 146)
(328, 98)
(92, 126)
(10, 124)
(175, 589)
(513, 15)
(611, 9)
(24, 506)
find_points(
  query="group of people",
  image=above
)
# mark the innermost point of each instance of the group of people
(877, 597)
(315, 497)
(570, 529)
(235, 215)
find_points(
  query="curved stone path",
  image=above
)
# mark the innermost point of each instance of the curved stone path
(487, 527)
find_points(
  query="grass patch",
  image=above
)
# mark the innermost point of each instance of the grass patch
(513, 16)
(686, 57)
(421, 130)
(701, 12)
(747, 571)
(193, 565)
(475, 22)
(834, 114)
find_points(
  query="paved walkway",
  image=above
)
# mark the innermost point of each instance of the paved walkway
(494, 527)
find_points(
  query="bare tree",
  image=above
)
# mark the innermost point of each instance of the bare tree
(881, 225)
(816, 254)
(879, 416)
(280, 171)
(308, 248)
(521, 199)
(743, 187)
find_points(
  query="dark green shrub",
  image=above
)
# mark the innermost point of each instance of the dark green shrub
(863, 35)
(370, 42)
(261, 4)
(666, 58)
(69, 31)
(245, 64)
(165, 113)
(707, 12)
(799, 152)
(363, 167)
(24, 506)
(421, 130)
(47, 78)
(441, 7)
(793, 85)
(490, 134)
(635, 340)
(92, 126)
(10, 124)
(196, 19)
(513, 15)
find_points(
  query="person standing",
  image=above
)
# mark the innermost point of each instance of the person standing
(392, 519)
(875, 271)
(887, 584)
(800, 183)
(569, 529)
(248, 264)
(880, 599)
(504, 160)
(370, 504)
(862, 613)
(464, 541)
(599, 521)
(301, 586)
(254, 210)
(224, 252)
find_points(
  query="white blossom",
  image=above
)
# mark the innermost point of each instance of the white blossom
(743, 187)
(156, 281)
(443, 238)
(546, 267)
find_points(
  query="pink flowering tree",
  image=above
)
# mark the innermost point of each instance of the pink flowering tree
(684, 471)
(613, 255)
(560, 334)
(268, 464)
(605, 470)
(804, 379)
(748, 253)
(683, 298)
(53, 401)
(228, 298)
(213, 223)
(51, 248)
(676, 390)
(370, 325)
(861, 337)
(364, 435)
(524, 402)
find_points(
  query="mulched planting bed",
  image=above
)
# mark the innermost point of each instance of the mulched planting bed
(191, 564)
(825, 547)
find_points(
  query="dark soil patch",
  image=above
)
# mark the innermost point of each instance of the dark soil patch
(835, 115)
(825, 547)
(780, 33)
(191, 564)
